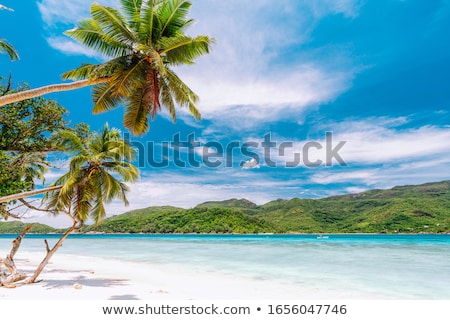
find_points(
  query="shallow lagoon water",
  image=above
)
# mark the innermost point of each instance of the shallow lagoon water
(381, 266)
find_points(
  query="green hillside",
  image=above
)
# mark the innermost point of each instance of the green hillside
(406, 209)
(173, 220)
(424, 208)
(17, 227)
(243, 205)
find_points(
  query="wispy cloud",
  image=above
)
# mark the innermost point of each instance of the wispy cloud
(377, 144)
(377, 140)
(70, 47)
(57, 12)
(252, 76)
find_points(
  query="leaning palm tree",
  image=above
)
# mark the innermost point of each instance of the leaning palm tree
(143, 43)
(98, 171)
(5, 47)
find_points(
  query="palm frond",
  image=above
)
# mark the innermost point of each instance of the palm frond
(2, 7)
(136, 114)
(85, 71)
(113, 24)
(132, 9)
(90, 33)
(8, 49)
(134, 75)
(98, 211)
(104, 98)
(166, 96)
(184, 49)
(148, 23)
(127, 171)
(173, 14)
(183, 95)
(69, 141)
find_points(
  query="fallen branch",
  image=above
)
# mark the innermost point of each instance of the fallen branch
(14, 274)
(50, 253)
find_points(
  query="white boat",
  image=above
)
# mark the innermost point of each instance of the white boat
(322, 237)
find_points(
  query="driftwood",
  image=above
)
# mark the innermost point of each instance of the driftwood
(7, 280)
(12, 277)
(50, 253)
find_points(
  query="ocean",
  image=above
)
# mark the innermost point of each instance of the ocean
(368, 266)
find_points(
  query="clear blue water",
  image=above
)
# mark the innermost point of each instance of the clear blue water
(382, 266)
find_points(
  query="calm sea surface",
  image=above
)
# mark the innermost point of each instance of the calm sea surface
(394, 266)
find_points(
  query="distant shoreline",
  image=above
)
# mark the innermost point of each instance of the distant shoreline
(224, 234)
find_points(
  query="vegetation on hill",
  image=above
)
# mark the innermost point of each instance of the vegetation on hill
(16, 227)
(175, 220)
(406, 209)
(411, 209)
(422, 208)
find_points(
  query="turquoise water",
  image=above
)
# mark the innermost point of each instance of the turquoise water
(381, 266)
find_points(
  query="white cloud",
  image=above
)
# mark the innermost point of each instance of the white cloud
(349, 8)
(70, 47)
(385, 145)
(253, 75)
(379, 154)
(379, 141)
(189, 188)
(55, 12)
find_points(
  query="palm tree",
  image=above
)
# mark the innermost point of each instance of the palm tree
(92, 178)
(5, 47)
(143, 43)
(98, 169)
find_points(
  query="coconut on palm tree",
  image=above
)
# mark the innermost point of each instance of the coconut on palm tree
(143, 43)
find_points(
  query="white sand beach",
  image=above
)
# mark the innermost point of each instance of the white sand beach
(74, 277)
(79, 277)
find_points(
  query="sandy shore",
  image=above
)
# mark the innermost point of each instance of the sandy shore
(69, 276)
(80, 277)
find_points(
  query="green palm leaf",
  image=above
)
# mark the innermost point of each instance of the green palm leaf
(183, 49)
(113, 24)
(90, 34)
(8, 49)
(136, 114)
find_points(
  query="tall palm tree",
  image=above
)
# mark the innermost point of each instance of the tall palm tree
(143, 42)
(5, 47)
(98, 169)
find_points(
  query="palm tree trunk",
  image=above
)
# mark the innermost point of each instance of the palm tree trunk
(27, 194)
(50, 253)
(33, 93)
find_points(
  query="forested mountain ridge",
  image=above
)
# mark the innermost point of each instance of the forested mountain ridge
(403, 209)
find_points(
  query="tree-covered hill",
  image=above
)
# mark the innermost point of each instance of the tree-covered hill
(422, 208)
(405, 209)
(173, 220)
(16, 227)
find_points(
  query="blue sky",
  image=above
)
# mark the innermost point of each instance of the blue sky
(374, 73)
